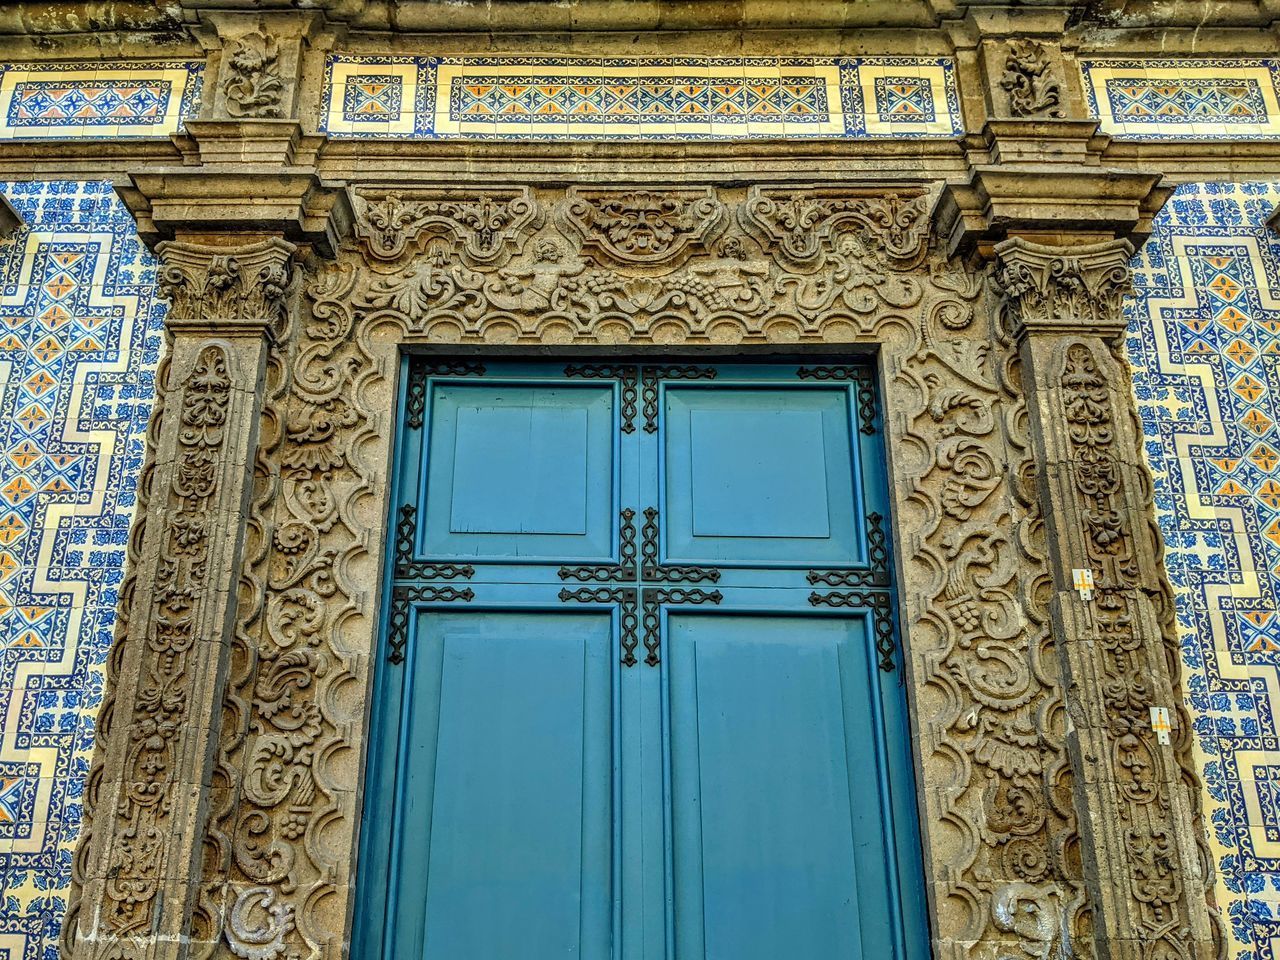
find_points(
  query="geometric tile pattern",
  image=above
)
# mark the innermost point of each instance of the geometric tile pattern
(673, 98)
(79, 343)
(97, 100)
(1216, 99)
(1204, 342)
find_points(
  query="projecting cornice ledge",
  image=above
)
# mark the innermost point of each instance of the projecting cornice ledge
(247, 199)
(1047, 203)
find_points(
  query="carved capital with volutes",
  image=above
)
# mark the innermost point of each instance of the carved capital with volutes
(1053, 289)
(225, 289)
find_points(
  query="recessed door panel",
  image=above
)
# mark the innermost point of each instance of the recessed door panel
(779, 829)
(760, 476)
(507, 788)
(520, 473)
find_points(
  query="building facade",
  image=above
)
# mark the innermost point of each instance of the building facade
(733, 336)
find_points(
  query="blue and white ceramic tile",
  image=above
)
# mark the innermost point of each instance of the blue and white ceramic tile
(671, 98)
(1204, 340)
(97, 100)
(1201, 99)
(80, 337)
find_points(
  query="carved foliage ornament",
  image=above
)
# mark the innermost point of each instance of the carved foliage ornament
(160, 707)
(237, 284)
(1030, 81)
(1048, 288)
(485, 227)
(803, 223)
(253, 86)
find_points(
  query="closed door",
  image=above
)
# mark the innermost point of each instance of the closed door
(639, 695)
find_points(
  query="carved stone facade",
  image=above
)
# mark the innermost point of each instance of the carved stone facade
(985, 273)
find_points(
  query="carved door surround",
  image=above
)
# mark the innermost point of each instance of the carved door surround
(1023, 796)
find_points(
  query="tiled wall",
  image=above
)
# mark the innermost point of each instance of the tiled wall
(119, 99)
(79, 344)
(1204, 340)
(685, 98)
(1216, 99)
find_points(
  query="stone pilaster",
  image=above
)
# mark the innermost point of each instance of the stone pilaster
(1136, 811)
(159, 727)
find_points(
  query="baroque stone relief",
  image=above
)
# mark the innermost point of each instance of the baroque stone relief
(793, 265)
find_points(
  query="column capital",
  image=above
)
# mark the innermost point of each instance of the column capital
(1064, 289)
(225, 290)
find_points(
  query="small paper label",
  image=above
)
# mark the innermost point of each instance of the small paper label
(1082, 580)
(1160, 723)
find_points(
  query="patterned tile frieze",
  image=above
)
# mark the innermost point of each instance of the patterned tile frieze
(1204, 340)
(79, 344)
(690, 98)
(1213, 99)
(97, 100)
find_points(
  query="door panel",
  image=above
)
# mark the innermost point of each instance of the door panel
(516, 472)
(508, 788)
(760, 476)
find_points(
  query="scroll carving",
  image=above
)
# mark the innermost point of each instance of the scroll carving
(484, 227)
(208, 283)
(1077, 288)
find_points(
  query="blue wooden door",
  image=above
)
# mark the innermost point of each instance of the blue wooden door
(639, 695)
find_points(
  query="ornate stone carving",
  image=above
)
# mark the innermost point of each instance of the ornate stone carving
(803, 223)
(1030, 80)
(1066, 288)
(644, 227)
(1004, 852)
(1035, 915)
(1119, 655)
(208, 283)
(484, 226)
(252, 83)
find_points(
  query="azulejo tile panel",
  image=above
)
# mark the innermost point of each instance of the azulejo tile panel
(96, 100)
(1204, 340)
(1216, 99)
(668, 98)
(80, 337)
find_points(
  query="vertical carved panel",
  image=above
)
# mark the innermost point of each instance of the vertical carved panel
(1117, 652)
(152, 769)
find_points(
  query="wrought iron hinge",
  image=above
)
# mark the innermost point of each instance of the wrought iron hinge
(404, 594)
(650, 600)
(626, 373)
(407, 568)
(626, 597)
(651, 569)
(865, 390)
(881, 607)
(649, 377)
(611, 573)
(415, 397)
(875, 574)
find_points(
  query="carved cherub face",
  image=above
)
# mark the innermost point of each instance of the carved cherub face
(547, 251)
(732, 249)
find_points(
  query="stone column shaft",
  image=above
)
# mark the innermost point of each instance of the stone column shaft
(148, 827)
(1136, 813)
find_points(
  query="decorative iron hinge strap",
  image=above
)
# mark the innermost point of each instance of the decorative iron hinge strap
(649, 377)
(404, 594)
(626, 373)
(611, 573)
(626, 597)
(651, 569)
(881, 606)
(420, 369)
(407, 568)
(875, 574)
(866, 389)
(651, 598)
